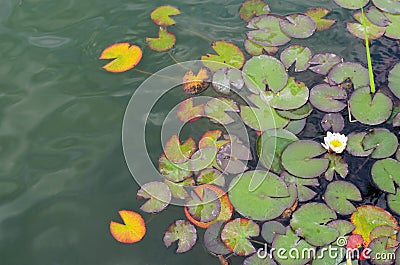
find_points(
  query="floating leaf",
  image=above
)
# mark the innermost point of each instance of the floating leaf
(270, 229)
(264, 70)
(343, 226)
(352, 4)
(377, 17)
(178, 188)
(203, 206)
(332, 122)
(159, 196)
(327, 98)
(394, 80)
(396, 120)
(357, 29)
(216, 109)
(296, 126)
(203, 158)
(263, 202)
(381, 254)
(230, 156)
(236, 235)
(386, 231)
(212, 239)
(393, 201)
(299, 159)
(270, 145)
(317, 14)
(195, 84)
(368, 217)
(227, 53)
(382, 141)
(256, 49)
(256, 259)
(187, 112)
(133, 229)
(296, 54)
(357, 73)
(393, 29)
(368, 108)
(338, 195)
(183, 232)
(303, 190)
(210, 176)
(389, 6)
(309, 222)
(161, 15)
(297, 114)
(177, 153)
(125, 57)
(252, 8)
(355, 146)
(267, 31)
(210, 138)
(173, 172)
(225, 79)
(324, 62)
(164, 42)
(298, 26)
(385, 173)
(336, 164)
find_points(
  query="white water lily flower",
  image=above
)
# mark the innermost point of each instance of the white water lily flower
(335, 142)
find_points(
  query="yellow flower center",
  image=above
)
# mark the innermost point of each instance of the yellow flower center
(336, 143)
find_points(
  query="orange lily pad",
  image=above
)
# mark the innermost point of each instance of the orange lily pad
(195, 84)
(227, 53)
(187, 112)
(161, 15)
(133, 229)
(177, 152)
(165, 41)
(125, 57)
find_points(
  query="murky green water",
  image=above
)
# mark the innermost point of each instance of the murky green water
(62, 172)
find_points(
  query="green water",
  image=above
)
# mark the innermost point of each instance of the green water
(62, 172)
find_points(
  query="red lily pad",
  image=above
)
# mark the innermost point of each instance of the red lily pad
(177, 152)
(357, 73)
(298, 54)
(322, 63)
(227, 53)
(159, 196)
(164, 42)
(187, 112)
(298, 26)
(161, 15)
(332, 122)
(124, 56)
(357, 29)
(317, 14)
(183, 232)
(216, 109)
(133, 229)
(352, 4)
(253, 8)
(328, 98)
(195, 84)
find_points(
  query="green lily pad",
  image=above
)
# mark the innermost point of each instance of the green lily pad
(394, 80)
(357, 29)
(324, 62)
(355, 146)
(396, 120)
(290, 241)
(323, 259)
(226, 79)
(336, 164)
(338, 195)
(159, 196)
(161, 15)
(267, 31)
(299, 159)
(256, 259)
(174, 172)
(370, 109)
(216, 109)
(270, 146)
(377, 17)
(303, 190)
(212, 239)
(253, 8)
(332, 122)
(236, 235)
(204, 207)
(317, 14)
(298, 26)
(261, 203)
(389, 6)
(177, 152)
(296, 54)
(165, 41)
(187, 112)
(351, 4)
(384, 230)
(328, 98)
(296, 126)
(393, 29)
(309, 222)
(232, 157)
(264, 70)
(255, 49)
(381, 254)
(297, 114)
(203, 158)
(357, 73)
(343, 226)
(292, 96)
(270, 229)
(183, 232)
(210, 176)
(178, 188)
(227, 53)
(393, 201)
(382, 141)
(385, 173)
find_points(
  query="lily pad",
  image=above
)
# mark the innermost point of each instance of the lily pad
(380, 253)
(299, 159)
(385, 173)
(382, 141)
(257, 259)
(303, 190)
(370, 109)
(377, 17)
(227, 53)
(343, 226)
(226, 79)
(165, 41)
(211, 138)
(178, 188)
(236, 235)
(212, 239)
(298, 54)
(267, 31)
(260, 203)
(133, 229)
(296, 126)
(298, 26)
(173, 172)
(328, 98)
(161, 15)
(159, 196)
(336, 164)
(270, 229)
(230, 157)
(357, 29)
(386, 231)
(270, 146)
(393, 201)
(264, 70)
(184, 233)
(389, 6)
(195, 84)
(216, 109)
(309, 222)
(253, 8)
(256, 49)
(124, 55)
(357, 73)
(187, 112)
(393, 29)
(210, 176)
(324, 62)
(396, 120)
(355, 146)
(297, 114)
(338, 195)
(177, 153)
(317, 14)
(332, 122)
(394, 80)
(205, 206)
(203, 158)
(352, 4)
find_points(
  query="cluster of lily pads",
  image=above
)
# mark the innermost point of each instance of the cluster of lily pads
(277, 203)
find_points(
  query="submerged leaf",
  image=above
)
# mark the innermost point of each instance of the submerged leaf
(125, 57)
(161, 15)
(183, 232)
(227, 53)
(165, 41)
(133, 229)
